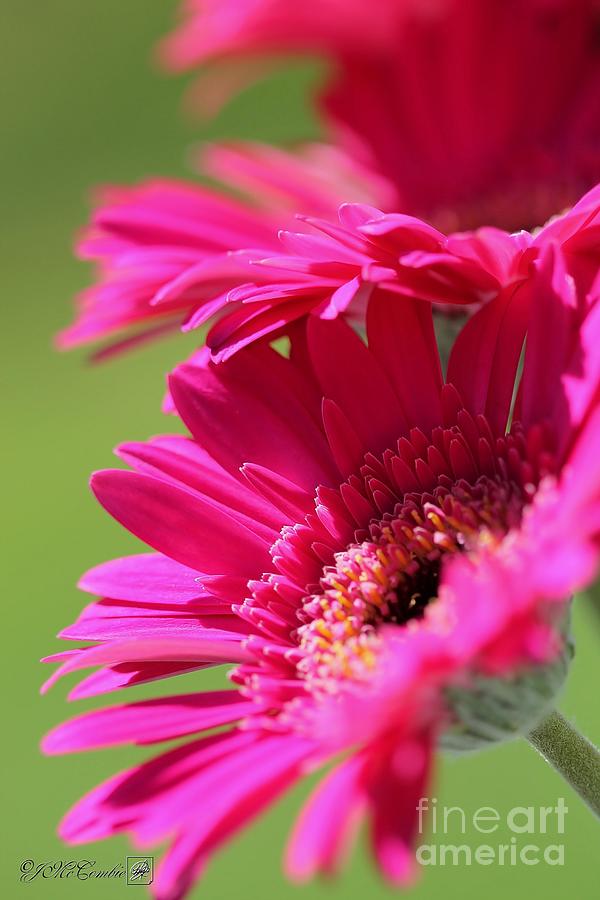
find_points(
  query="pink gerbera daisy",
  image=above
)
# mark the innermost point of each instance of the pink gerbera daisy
(479, 111)
(168, 252)
(384, 556)
(334, 270)
(172, 255)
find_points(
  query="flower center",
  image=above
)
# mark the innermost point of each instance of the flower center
(391, 577)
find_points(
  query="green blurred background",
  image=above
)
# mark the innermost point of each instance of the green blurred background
(83, 104)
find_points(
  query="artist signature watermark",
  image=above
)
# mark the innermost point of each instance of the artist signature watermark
(134, 870)
(140, 869)
(532, 831)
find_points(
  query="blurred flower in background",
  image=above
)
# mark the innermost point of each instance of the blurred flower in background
(455, 111)
(479, 112)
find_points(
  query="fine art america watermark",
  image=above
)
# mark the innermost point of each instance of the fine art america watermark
(532, 842)
(532, 829)
(135, 870)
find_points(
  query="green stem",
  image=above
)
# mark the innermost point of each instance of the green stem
(572, 755)
(594, 600)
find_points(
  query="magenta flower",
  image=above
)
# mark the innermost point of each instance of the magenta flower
(172, 255)
(168, 252)
(460, 103)
(334, 270)
(385, 558)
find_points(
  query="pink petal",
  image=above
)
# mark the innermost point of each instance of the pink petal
(256, 408)
(327, 824)
(353, 378)
(114, 678)
(148, 577)
(490, 344)
(165, 650)
(233, 792)
(189, 528)
(549, 338)
(148, 721)
(401, 336)
(394, 792)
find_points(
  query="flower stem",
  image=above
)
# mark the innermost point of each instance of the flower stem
(594, 599)
(572, 755)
